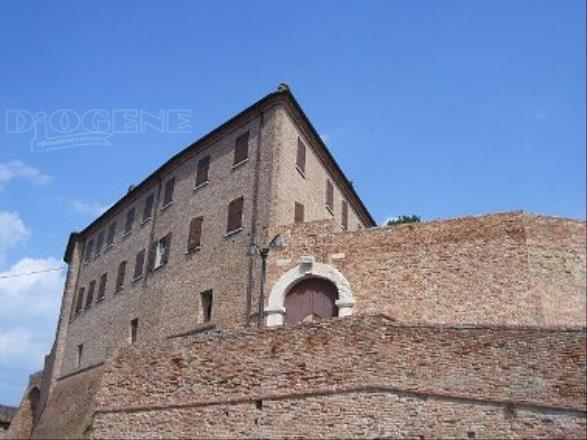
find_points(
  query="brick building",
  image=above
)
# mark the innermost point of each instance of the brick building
(172, 259)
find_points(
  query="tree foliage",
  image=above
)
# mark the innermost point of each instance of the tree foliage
(403, 219)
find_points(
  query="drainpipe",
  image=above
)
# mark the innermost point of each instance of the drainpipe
(253, 238)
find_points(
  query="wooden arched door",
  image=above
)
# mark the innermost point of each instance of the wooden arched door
(310, 299)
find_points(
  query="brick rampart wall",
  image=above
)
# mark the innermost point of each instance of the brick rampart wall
(363, 376)
(499, 269)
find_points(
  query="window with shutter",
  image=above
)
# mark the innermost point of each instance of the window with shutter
(301, 157)
(206, 301)
(80, 354)
(90, 297)
(298, 213)
(80, 300)
(111, 234)
(134, 329)
(99, 243)
(195, 234)
(120, 275)
(345, 215)
(89, 251)
(160, 252)
(235, 214)
(168, 195)
(165, 244)
(102, 287)
(130, 218)
(241, 148)
(148, 209)
(202, 173)
(329, 196)
(152, 255)
(139, 264)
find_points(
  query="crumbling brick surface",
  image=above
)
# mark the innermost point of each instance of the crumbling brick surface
(364, 376)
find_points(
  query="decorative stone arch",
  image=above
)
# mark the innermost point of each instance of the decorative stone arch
(307, 269)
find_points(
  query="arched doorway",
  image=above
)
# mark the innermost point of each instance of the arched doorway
(311, 299)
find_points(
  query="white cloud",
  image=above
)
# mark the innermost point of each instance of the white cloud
(30, 307)
(12, 232)
(93, 209)
(16, 169)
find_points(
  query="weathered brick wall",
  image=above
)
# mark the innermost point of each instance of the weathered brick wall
(291, 186)
(477, 270)
(22, 423)
(347, 377)
(70, 408)
(556, 254)
(167, 301)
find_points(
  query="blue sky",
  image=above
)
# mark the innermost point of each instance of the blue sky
(439, 109)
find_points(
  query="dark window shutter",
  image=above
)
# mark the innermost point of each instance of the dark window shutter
(241, 148)
(80, 299)
(120, 275)
(90, 297)
(147, 211)
(202, 173)
(168, 196)
(301, 158)
(345, 215)
(102, 287)
(298, 213)
(139, 264)
(166, 248)
(99, 242)
(130, 218)
(195, 233)
(235, 213)
(89, 250)
(329, 195)
(111, 233)
(152, 254)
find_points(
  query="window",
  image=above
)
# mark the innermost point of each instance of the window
(99, 243)
(159, 252)
(329, 196)
(241, 148)
(120, 275)
(235, 214)
(89, 250)
(301, 157)
(148, 209)
(168, 194)
(102, 287)
(130, 218)
(195, 235)
(111, 234)
(206, 300)
(298, 213)
(80, 353)
(139, 264)
(202, 172)
(80, 299)
(90, 297)
(345, 215)
(134, 328)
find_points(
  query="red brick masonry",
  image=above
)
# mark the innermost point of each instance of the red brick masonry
(363, 376)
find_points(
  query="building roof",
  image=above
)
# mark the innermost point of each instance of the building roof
(283, 95)
(7, 413)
